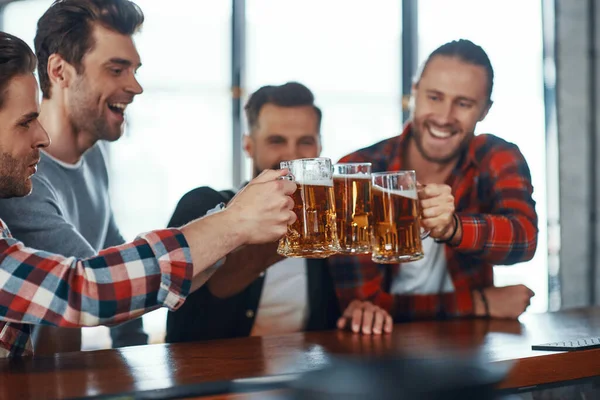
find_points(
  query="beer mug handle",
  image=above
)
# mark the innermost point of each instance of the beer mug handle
(424, 234)
(288, 177)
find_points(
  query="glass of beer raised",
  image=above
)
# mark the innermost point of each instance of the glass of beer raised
(314, 233)
(352, 189)
(397, 232)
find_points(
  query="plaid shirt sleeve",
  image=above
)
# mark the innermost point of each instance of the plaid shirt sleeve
(507, 234)
(119, 284)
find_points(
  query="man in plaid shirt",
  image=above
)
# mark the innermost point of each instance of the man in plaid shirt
(158, 269)
(476, 202)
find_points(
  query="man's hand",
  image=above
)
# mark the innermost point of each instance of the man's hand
(437, 210)
(504, 302)
(262, 211)
(365, 317)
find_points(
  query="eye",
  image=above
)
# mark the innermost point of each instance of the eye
(116, 71)
(464, 104)
(433, 97)
(276, 140)
(307, 142)
(26, 124)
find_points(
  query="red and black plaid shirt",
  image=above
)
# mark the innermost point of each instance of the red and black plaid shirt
(492, 188)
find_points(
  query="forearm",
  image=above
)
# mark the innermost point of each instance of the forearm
(497, 239)
(241, 268)
(211, 238)
(119, 284)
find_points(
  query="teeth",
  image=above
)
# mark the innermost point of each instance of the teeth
(121, 106)
(439, 134)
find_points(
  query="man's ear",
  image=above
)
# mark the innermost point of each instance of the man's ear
(248, 144)
(60, 72)
(485, 111)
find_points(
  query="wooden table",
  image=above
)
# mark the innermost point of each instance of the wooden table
(214, 364)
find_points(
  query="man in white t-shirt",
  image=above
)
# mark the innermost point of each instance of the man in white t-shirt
(270, 294)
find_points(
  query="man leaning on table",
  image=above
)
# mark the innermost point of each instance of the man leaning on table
(477, 201)
(158, 269)
(269, 294)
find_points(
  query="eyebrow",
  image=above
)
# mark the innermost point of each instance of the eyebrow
(123, 62)
(28, 117)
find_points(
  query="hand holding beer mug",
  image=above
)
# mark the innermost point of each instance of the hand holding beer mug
(314, 233)
(396, 218)
(352, 188)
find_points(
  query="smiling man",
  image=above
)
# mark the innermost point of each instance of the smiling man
(87, 63)
(477, 200)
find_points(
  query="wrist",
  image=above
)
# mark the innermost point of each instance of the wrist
(457, 238)
(234, 226)
(451, 231)
(479, 305)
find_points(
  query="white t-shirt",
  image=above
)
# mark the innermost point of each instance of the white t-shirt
(428, 275)
(283, 305)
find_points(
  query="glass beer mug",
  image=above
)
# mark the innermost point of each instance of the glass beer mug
(314, 233)
(397, 232)
(352, 189)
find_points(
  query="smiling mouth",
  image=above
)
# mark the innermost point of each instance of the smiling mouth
(118, 108)
(440, 133)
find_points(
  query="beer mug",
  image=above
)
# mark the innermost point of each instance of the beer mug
(397, 232)
(314, 234)
(352, 189)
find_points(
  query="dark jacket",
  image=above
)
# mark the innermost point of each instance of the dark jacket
(204, 316)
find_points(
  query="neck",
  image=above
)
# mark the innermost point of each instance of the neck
(68, 143)
(427, 171)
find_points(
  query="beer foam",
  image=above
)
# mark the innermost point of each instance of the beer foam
(314, 182)
(411, 194)
(352, 176)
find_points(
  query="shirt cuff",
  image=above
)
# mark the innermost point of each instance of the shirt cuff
(219, 207)
(174, 258)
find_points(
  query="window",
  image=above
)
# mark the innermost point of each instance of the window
(358, 88)
(518, 111)
(20, 18)
(178, 133)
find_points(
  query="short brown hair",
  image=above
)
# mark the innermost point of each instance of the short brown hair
(16, 58)
(291, 94)
(66, 29)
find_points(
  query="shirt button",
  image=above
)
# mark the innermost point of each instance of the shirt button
(250, 314)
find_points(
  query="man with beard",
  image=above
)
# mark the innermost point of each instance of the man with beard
(476, 201)
(123, 282)
(257, 292)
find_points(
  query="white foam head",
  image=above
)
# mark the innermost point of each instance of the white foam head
(352, 176)
(314, 182)
(410, 193)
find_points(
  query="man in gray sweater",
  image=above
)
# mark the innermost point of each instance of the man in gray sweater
(87, 63)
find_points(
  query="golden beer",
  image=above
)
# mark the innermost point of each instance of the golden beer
(353, 211)
(396, 222)
(314, 234)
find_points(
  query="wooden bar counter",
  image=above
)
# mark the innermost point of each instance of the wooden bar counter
(221, 366)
